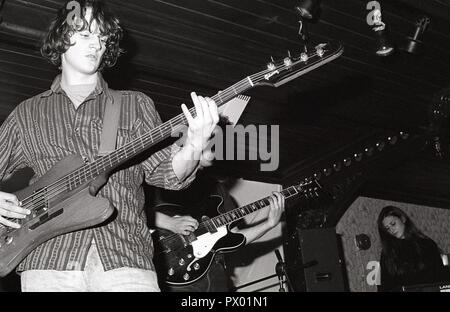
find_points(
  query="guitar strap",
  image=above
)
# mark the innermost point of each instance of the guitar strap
(110, 124)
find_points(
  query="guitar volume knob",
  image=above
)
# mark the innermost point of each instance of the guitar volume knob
(196, 266)
(181, 262)
(171, 272)
(189, 256)
(186, 276)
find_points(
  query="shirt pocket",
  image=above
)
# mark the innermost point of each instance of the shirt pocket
(127, 133)
(131, 172)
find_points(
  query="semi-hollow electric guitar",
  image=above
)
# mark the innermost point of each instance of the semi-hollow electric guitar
(63, 200)
(183, 259)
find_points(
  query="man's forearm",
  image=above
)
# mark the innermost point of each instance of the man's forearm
(255, 232)
(186, 161)
(163, 221)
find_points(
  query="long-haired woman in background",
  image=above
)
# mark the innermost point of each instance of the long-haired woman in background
(408, 256)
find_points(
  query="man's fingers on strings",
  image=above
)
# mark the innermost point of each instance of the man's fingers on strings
(10, 198)
(9, 223)
(280, 198)
(207, 117)
(197, 104)
(11, 214)
(272, 201)
(213, 110)
(9, 207)
(187, 114)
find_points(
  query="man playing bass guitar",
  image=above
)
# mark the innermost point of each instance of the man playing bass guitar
(66, 120)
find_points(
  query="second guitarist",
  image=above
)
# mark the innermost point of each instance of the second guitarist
(217, 279)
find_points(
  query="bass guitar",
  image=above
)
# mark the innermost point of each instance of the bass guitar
(63, 200)
(183, 259)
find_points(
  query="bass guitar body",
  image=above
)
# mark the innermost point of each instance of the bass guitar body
(51, 215)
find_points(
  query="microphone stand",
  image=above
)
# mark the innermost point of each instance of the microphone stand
(280, 269)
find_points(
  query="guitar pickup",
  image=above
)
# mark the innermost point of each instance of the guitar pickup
(45, 218)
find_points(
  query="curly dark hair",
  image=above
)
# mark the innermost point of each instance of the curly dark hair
(57, 40)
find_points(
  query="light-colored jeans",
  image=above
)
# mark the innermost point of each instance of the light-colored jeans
(93, 278)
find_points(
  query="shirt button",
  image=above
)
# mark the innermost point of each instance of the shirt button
(85, 159)
(77, 130)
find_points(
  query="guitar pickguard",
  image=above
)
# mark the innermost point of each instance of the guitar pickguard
(204, 243)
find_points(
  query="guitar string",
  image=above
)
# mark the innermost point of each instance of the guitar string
(63, 182)
(104, 161)
(175, 120)
(66, 181)
(42, 196)
(77, 175)
(136, 144)
(173, 237)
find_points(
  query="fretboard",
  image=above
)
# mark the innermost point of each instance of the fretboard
(88, 172)
(239, 213)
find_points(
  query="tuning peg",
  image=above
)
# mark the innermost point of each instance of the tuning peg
(271, 66)
(289, 54)
(287, 61)
(319, 51)
(303, 57)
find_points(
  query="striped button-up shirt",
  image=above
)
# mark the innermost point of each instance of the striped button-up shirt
(46, 128)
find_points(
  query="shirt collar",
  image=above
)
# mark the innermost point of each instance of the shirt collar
(101, 86)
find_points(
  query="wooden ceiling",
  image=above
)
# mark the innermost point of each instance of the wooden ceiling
(178, 46)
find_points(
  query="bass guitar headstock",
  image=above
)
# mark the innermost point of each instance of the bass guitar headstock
(293, 66)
